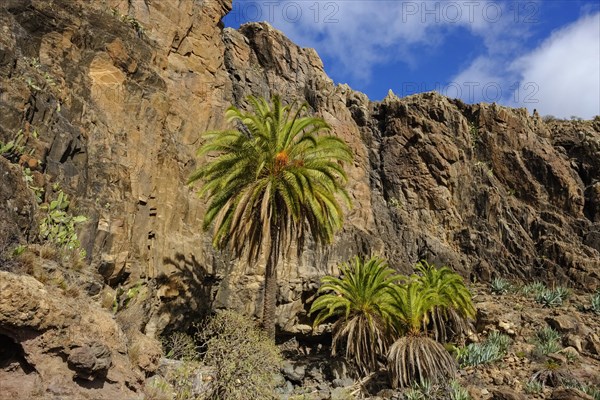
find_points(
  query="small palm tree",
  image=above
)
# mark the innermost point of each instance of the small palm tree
(452, 316)
(274, 179)
(361, 301)
(414, 357)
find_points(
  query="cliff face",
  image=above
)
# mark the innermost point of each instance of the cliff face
(118, 92)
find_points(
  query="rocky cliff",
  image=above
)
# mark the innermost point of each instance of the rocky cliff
(110, 98)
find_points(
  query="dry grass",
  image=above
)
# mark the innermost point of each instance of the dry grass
(158, 389)
(49, 252)
(72, 291)
(28, 261)
(134, 353)
(73, 259)
(107, 299)
(40, 274)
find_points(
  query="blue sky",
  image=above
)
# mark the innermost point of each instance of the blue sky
(535, 54)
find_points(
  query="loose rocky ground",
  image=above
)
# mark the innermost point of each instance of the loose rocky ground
(310, 373)
(61, 339)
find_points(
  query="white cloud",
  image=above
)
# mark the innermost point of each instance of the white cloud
(566, 69)
(485, 80)
(357, 35)
(561, 77)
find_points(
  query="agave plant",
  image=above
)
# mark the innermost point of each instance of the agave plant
(360, 300)
(552, 297)
(415, 357)
(533, 387)
(422, 391)
(457, 392)
(500, 286)
(492, 349)
(452, 316)
(533, 288)
(547, 341)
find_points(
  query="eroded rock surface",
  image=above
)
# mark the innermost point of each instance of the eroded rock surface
(41, 328)
(111, 98)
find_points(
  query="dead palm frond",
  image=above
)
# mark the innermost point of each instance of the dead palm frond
(413, 359)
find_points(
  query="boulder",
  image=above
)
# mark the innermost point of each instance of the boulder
(566, 324)
(507, 394)
(569, 394)
(90, 361)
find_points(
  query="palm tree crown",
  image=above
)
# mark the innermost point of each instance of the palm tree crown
(362, 302)
(273, 179)
(451, 316)
(411, 304)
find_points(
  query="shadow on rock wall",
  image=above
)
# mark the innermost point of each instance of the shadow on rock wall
(186, 291)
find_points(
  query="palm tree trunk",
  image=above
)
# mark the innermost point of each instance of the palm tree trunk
(270, 293)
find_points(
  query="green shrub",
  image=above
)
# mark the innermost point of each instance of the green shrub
(182, 380)
(595, 300)
(58, 225)
(533, 288)
(414, 394)
(427, 390)
(158, 388)
(591, 391)
(14, 148)
(571, 356)
(457, 392)
(178, 384)
(244, 358)
(423, 390)
(500, 286)
(492, 349)
(180, 346)
(533, 387)
(563, 292)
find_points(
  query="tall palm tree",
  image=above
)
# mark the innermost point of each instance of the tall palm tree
(361, 301)
(275, 177)
(452, 317)
(415, 357)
